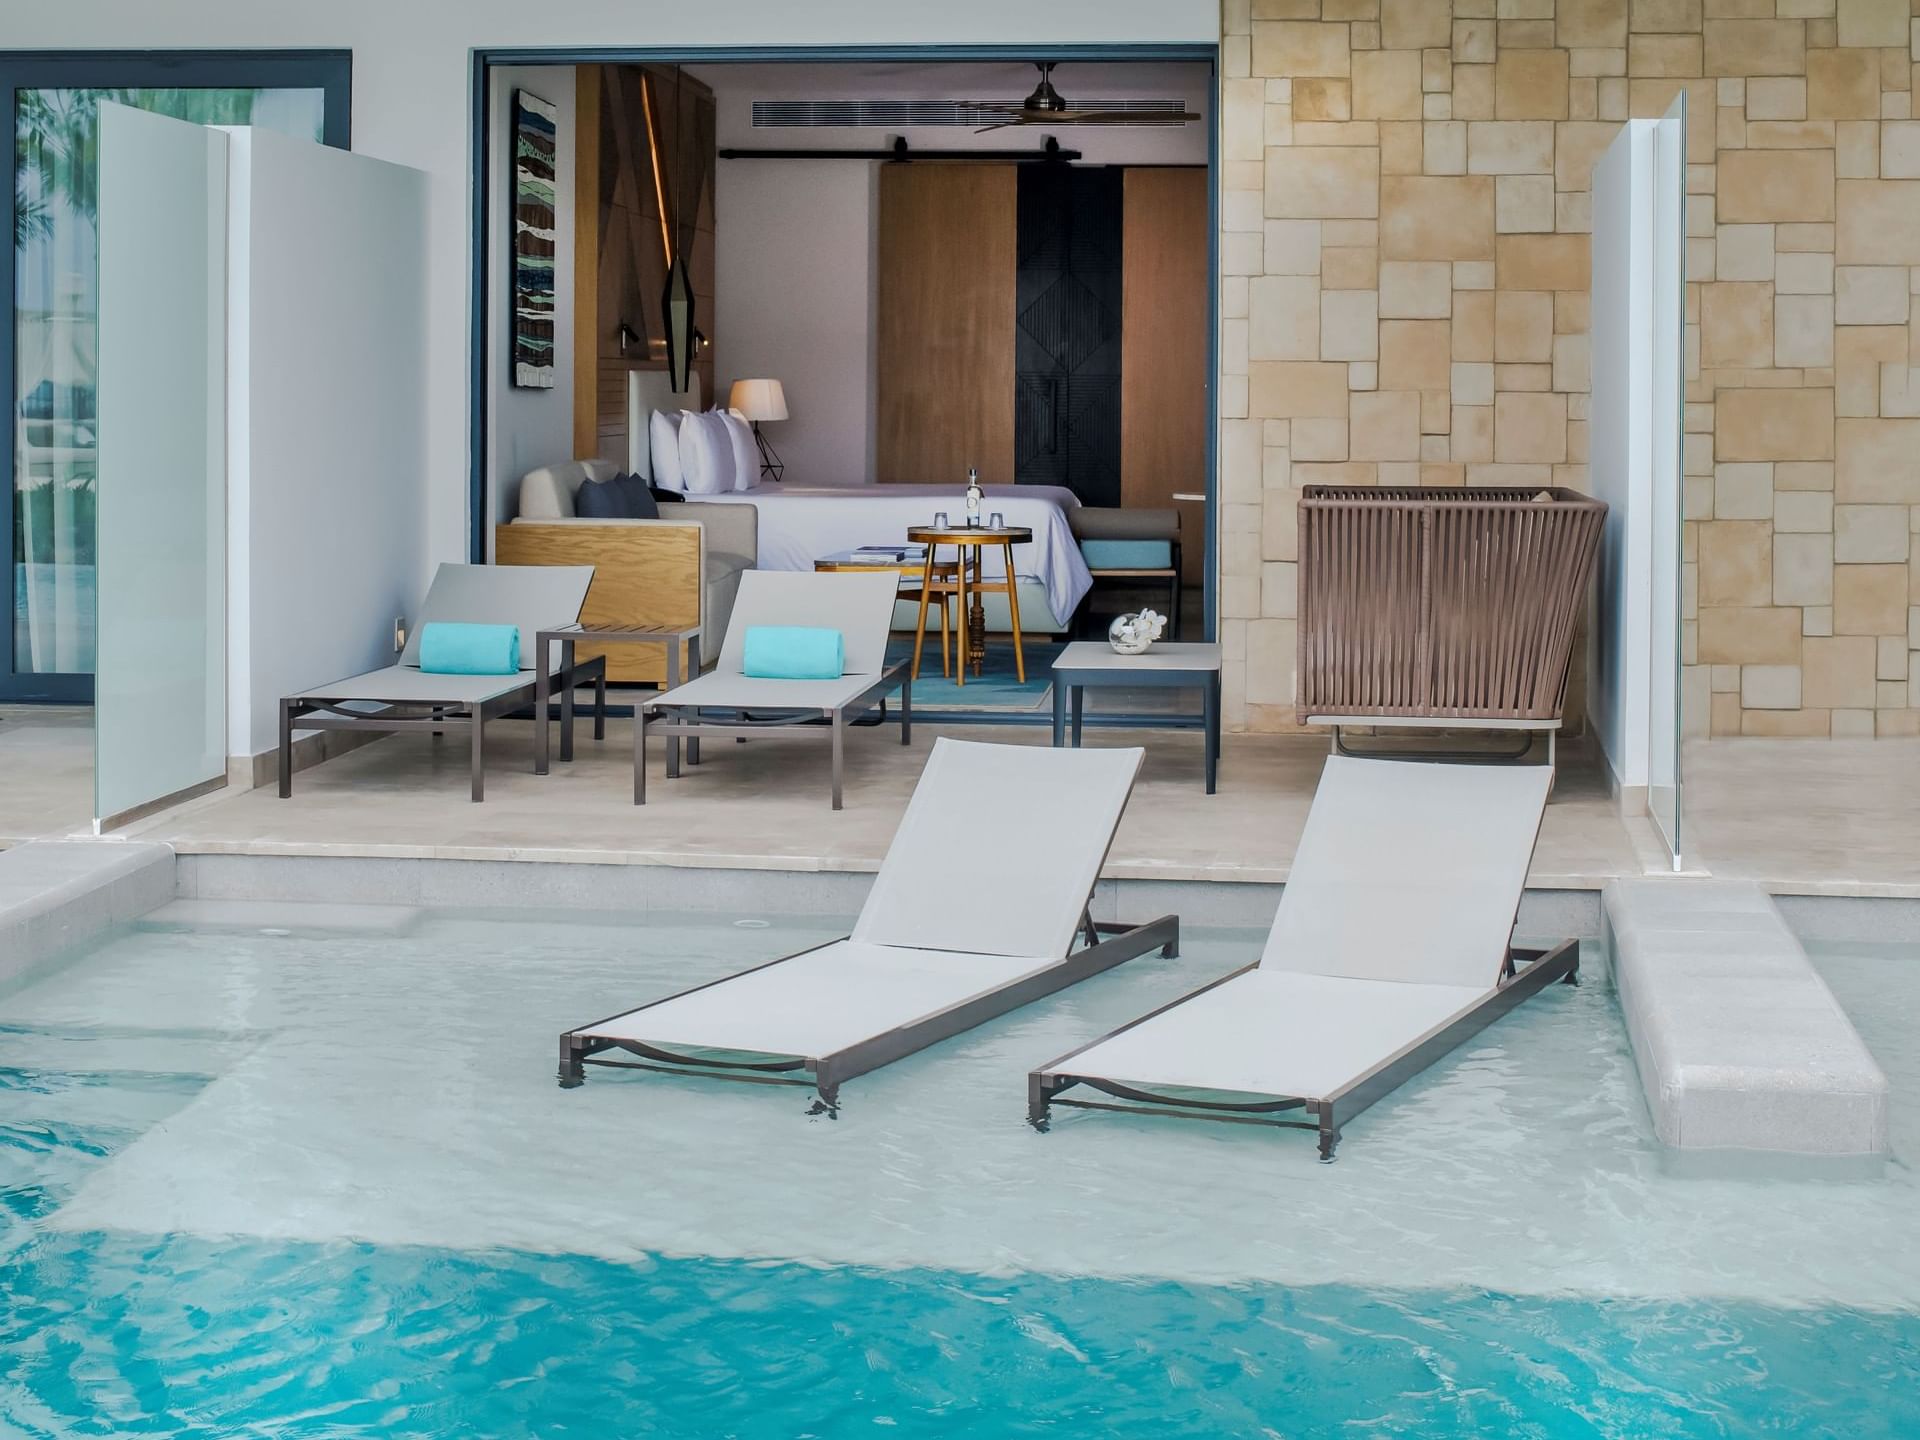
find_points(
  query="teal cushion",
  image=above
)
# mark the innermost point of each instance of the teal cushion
(453, 649)
(1127, 554)
(793, 652)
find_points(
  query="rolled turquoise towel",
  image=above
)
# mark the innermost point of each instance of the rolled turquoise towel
(453, 649)
(793, 652)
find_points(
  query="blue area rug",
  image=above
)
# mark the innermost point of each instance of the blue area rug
(995, 688)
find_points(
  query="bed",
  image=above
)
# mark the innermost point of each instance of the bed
(800, 524)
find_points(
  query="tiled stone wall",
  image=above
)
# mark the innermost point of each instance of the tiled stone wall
(1406, 212)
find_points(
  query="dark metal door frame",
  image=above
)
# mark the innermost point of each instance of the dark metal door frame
(329, 71)
(480, 160)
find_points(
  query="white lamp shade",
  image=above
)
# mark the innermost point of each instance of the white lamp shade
(759, 399)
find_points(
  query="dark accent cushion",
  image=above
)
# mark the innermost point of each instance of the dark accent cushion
(638, 496)
(600, 500)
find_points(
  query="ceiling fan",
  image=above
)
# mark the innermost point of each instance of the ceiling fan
(1046, 106)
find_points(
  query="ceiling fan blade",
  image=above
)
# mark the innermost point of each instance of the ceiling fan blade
(1003, 125)
(1123, 117)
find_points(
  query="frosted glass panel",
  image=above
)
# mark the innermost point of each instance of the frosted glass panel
(161, 616)
(1669, 265)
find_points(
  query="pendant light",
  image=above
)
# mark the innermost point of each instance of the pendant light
(676, 303)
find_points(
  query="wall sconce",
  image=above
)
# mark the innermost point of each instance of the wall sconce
(628, 336)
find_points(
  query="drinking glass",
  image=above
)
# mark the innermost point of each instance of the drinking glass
(996, 521)
(939, 519)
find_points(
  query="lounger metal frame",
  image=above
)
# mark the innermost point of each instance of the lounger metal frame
(321, 711)
(1525, 973)
(1106, 945)
(685, 721)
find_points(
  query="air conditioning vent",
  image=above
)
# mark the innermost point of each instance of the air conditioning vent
(963, 114)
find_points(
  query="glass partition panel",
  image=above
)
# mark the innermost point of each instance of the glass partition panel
(54, 406)
(160, 530)
(1665, 654)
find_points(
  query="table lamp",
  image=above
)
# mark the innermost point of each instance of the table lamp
(759, 400)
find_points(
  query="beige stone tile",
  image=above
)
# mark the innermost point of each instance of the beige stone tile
(1859, 352)
(1790, 134)
(1802, 274)
(1578, 146)
(1870, 534)
(1530, 85)
(1762, 185)
(1843, 85)
(1295, 48)
(1875, 462)
(1803, 475)
(1755, 47)
(1743, 491)
(1770, 687)
(1349, 267)
(1529, 376)
(1523, 326)
(1736, 562)
(1817, 620)
(1677, 17)
(1524, 204)
(1471, 437)
(1510, 147)
(1317, 439)
(1601, 23)
(1736, 324)
(1876, 222)
(1445, 147)
(1472, 94)
(1292, 247)
(1803, 330)
(1320, 98)
(1777, 97)
(1810, 724)
(1856, 149)
(1400, 147)
(1318, 182)
(1472, 384)
(1337, 133)
(1363, 375)
(1283, 318)
(1572, 369)
(1283, 390)
(1572, 315)
(1436, 217)
(1416, 289)
(1350, 233)
(1385, 426)
(1414, 355)
(1873, 22)
(1803, 569)
(1869, 600)
(1774, 425)
(1893, 662)
(1661, 56)
(1386, 85)
(1529, 429)
(1800, 511)
(1900, 149)
(1349, 325)
(1870, 294)
(1544, 262)
(1414, 24)
(1473, 323)
(1473, 42)
(1735, 635)
(1744, 252)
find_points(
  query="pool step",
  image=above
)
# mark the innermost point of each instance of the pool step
(59, 893)
(1739, 1043)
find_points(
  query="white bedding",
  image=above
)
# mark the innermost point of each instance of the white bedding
(799, 524)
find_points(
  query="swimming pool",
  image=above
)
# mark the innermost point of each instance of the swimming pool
(248, 1191)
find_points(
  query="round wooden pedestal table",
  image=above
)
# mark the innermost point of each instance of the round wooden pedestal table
(970, 542)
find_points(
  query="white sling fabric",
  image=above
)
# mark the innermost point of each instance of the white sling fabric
(534, 597)
(858, 605)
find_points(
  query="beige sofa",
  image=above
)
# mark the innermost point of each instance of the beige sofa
(675, 572)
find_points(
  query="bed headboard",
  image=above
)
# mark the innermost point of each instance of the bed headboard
(647, 391)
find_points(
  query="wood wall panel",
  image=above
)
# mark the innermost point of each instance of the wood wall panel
(945, 320)
(1163, 349)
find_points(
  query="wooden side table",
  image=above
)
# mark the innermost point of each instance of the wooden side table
(843, 562)
(970, 542)
(570, 635)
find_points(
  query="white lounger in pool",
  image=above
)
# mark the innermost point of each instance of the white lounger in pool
(1392, 945)
(976, 909)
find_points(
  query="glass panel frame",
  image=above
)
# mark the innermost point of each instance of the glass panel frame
(328, 71)
(1666, 655)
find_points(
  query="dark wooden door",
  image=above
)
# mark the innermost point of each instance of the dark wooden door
(1067, 341)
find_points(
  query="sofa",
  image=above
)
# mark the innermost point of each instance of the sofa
(680, 570)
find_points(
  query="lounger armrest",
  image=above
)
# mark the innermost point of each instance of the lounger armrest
(731, 529)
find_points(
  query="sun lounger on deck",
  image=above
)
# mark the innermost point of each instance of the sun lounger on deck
(1392, 945)
(976, 910)
(404, 697)
(727, 701)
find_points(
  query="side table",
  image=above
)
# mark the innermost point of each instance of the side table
(1092, 663)
(569, 636)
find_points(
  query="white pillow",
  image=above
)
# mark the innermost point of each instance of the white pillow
(663, 441)
(746, 455)
(706, 454)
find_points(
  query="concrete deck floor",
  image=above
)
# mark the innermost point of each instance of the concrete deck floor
(1799, 816)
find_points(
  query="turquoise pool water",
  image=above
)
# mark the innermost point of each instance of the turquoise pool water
(278, 1180)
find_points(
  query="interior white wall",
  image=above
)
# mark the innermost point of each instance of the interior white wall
(328, 433)
(795, 243)
(794, 269)
(527, 428)
(412, 73)
(1621, 453)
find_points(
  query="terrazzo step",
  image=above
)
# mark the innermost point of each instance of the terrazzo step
(1739, 1043)
(59, 893)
